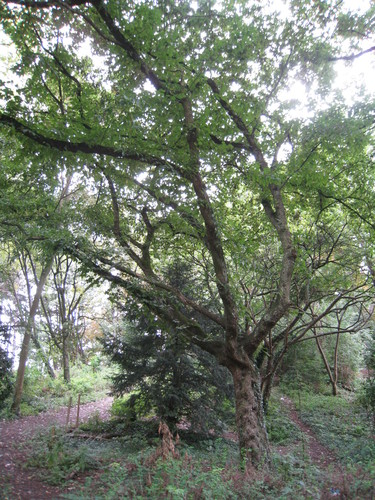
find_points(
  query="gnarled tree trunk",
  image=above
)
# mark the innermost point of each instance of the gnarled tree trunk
(252, 434)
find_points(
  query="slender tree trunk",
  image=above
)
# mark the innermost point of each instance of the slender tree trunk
(252, 434)
(336, 364)
(266, 390)
(26, 340)
(332, 376)
(46, 362)
(15, 408)
(65, 354)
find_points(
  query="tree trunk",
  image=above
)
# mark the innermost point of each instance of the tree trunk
(266, 391)
(336, 365)
(65, 353)
(332, 376)
(15, 408)
(252, 434)
(26, 340)
(44, 357)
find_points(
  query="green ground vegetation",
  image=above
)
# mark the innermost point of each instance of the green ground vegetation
(121, 458)
(43, 393)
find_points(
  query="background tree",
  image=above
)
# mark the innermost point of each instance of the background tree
(179, 382)
(191, 143)
(64, 311)
(367, 397)
(6, 382)
(176, 379)
(30, 324)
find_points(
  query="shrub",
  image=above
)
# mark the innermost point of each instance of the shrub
(367, 394)
(57, 459)
(174, 380)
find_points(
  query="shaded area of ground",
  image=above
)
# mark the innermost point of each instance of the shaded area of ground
(18, 483)
(320, 455)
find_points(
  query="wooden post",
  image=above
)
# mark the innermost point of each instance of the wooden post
(78, 405)
(68, 415)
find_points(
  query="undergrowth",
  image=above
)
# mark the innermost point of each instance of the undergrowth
(43, 393)
(60, 458)
(340, 423)
(119, 458)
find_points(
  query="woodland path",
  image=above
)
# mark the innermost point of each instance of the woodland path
(321, 456)
(18, 483)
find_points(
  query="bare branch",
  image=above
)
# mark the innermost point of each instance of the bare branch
(352, 57)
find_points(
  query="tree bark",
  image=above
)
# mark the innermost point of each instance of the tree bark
(252, 434)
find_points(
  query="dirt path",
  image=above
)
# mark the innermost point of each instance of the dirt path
(321, 456)
(17, 483)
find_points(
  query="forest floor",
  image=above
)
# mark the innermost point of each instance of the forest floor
(321, 456)
(20, 483)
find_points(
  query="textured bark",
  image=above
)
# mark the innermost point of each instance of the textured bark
(252, 434)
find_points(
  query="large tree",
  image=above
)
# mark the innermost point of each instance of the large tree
(183, 124)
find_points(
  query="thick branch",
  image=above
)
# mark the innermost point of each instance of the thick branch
(116, 222)
(242, 127)
(281, 302)
(164, 309)
(47, 4)
(154, 281)
(79, 147)
(213, 238)
(127, 45)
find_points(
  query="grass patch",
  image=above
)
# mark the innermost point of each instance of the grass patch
(340, 423)
(281, 430)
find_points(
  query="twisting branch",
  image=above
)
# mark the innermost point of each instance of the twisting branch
(88, 21)
(240, 124)
(346, 205)
(147, 297)
(156, 282)
(116, 223)
(169, 202)
(64, 71)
